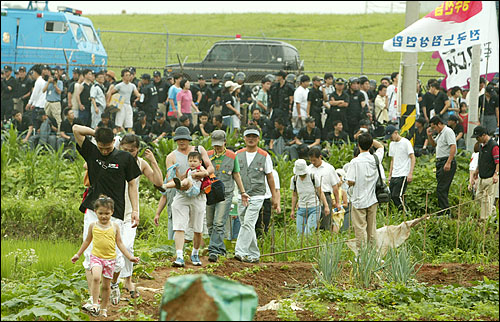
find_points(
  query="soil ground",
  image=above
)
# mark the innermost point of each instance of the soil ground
(281, 279)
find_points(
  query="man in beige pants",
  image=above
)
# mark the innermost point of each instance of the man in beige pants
(362, 176)
(487, 171)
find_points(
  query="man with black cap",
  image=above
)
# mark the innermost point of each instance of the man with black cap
(149, 104)
(216, 89)
(160, 128)
(281, 98)
(205, 100)
(402, 165)
(315, 102)
(23, 90)
(227, 169)
(446, 166)
(162, 87)
(339, 101)
(454, 124)
(355, 108)
(487, 171)
(186, 211)
(255, 166)
(9, 85)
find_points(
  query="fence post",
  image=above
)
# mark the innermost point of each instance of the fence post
(362, 54)
(166, 56)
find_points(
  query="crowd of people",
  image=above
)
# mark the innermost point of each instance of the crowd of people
(93, 109)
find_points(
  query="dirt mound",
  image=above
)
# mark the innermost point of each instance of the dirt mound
(279, 280)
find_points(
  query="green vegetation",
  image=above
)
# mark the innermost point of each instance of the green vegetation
(343, 59)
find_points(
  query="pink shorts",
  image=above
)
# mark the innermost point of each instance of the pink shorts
(108, 265)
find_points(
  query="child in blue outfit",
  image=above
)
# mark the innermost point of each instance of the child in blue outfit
(193, 185)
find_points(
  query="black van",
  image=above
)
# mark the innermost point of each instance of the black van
(256, 58)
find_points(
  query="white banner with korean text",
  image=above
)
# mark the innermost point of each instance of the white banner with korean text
(453, 24)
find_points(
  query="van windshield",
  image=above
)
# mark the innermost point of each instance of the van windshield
(246, 53)
(74, 28)
(91, 36)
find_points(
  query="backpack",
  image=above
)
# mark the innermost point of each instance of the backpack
(312, 179)
(212, 187)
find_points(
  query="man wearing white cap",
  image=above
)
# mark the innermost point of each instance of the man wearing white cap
(255, 166)
(306, 187)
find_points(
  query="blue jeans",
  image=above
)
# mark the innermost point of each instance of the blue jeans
(345, 224)
(307, 219)
(216, 219)
(236, 225)
(228, 121)
(84, 117)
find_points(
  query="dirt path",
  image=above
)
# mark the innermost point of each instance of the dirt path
(278, 280)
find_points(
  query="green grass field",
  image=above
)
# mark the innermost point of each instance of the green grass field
(343, 59)
(50, 253)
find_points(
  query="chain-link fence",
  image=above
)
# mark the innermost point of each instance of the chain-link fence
(150, 50)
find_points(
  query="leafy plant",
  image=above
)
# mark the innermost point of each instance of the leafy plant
(366, 264)
(399, 267)
(329, 265)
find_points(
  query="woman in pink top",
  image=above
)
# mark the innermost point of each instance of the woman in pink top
(185, 101)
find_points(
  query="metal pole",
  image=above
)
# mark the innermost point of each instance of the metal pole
(362, 54)
(166, 56)
(487, 54)
(409, 81)
(473, 95)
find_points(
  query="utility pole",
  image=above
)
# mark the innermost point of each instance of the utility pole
(409, 79)
(366, 7)
(473, 95)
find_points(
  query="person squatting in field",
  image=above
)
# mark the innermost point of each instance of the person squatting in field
(105, 236)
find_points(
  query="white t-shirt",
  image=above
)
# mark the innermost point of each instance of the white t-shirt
(276, 184)
(474, 161)
(401, 151)
(327, 174)
(363, 172)
(300, 96)
(268, 168)
(392, 109)
(305, 190)
(444, 140)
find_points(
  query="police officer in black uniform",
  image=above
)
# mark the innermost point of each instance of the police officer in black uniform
(9, 85)
(150, 103)
(315, 98)
(206, 94)
(355, 108)
(281, 98)
(216, 88)
(22, 92)
(161, 88)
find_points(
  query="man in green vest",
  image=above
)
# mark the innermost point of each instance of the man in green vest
(255, 166)
(227, 169)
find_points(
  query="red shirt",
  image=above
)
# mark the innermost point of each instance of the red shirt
(465, 121)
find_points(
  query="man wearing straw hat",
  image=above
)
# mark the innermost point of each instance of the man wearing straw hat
(255, 166)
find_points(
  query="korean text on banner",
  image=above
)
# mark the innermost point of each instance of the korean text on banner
(453, 24)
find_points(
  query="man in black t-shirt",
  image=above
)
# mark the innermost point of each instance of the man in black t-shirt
(337, 136)
(282, 137)
(339, 101)
(162, 87)
(454, 124)
(84, 112)
(9, 85)
(281, 97)
(441, 102)
(419, 136)
(23, 90)
(355, 108)
(66, 130)
(23, 123)
(217, 122)
(308, 137)
(109, 170)
(142, 128)
(203, 128)
(262, 123)
(161, 128)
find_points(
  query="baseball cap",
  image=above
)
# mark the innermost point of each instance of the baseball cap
(182, 133)
(46, 67)
(251, 131)
(141, 114)
(7, 67)
(146, 76)
(132, 70)
(201, 77)
(76, 70)
(389, 130)
(316, 78)
(300, 167)
(156, 73)
(215, 76)
(159, 115)
(22, 68)
(281, 73)
(353, 80)
(479, 131)
(218, 137)
(340, 80)
(453, 118)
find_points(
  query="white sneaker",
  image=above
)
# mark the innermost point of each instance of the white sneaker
(88, 304)
(115, 294)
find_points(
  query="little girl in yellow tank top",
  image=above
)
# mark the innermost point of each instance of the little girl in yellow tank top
(105, 237)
